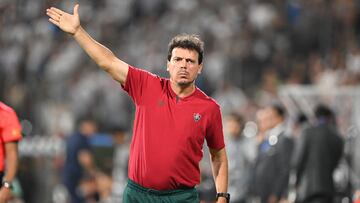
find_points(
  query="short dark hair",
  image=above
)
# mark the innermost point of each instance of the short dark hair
(238, 118)
(118, 129)
(279, 109)
(84, 119)
(323, 111)
(301, 118)
(187, 41)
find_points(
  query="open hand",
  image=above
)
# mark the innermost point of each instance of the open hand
(65, 21)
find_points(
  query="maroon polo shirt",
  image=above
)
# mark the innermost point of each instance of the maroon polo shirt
(169, 132)
(10, 130)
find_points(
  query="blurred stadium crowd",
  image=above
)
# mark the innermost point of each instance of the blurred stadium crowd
(253, 50)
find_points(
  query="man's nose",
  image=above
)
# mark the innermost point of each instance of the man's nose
(183, 63)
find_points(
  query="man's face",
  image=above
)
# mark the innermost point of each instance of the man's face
(183, 66)
(233, 126)
(274, 117)
(263, 118)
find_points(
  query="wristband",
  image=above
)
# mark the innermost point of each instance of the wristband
(222, 194)
(7, 184)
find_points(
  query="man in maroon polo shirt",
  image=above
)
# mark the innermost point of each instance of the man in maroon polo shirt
(10, 134)
(173, 118)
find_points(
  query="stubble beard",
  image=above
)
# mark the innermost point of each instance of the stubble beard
(185, 84)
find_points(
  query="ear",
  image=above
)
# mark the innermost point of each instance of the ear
(167, 66)
(200, 68)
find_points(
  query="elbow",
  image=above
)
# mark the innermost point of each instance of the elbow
(105, 68)
(104, 65)
(106, 62)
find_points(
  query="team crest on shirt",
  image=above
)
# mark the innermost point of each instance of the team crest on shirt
(197, 117)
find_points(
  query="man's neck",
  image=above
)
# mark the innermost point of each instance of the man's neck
(182, 91)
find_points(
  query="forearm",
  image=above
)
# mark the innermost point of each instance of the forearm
(220, 176)
(219, 165)
(11, 161)
(99, 53)
(102, 56)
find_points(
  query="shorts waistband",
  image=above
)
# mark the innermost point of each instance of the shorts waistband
(138, 187)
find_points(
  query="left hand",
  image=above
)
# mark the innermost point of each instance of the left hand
(221, 200)
(5, 195)
(67, 22)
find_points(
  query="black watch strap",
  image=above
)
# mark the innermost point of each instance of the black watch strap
(7, 184)
(223, 194)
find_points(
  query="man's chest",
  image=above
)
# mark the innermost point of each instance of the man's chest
(182, 117)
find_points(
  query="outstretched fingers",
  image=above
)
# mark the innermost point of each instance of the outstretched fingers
(67, 22)
(56, 10)
(53, 15)
(76, 9)
(54, 22)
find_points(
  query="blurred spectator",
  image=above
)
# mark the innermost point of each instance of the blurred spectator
(318, 153)
(263, 125)
(247, 39)
(79, 160)
(104, 186)
(301, 123)
(267, 94)
(242, 153)
(120, 167)
(88, 188)
(230, 98)
(272, 166)
(10, 134)
(352, 151)
(206, 189)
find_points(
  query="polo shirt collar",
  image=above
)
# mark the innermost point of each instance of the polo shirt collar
(175, 96)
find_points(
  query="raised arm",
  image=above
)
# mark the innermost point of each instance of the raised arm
(107, 61)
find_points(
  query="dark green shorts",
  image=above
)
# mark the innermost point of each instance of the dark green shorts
(135, 193)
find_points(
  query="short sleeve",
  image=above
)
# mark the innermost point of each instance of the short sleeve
(214, 132)
(137, 83)
(11, 129)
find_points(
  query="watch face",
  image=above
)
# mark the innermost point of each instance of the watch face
(6, 184)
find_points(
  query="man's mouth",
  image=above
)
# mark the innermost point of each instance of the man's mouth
(183, 74)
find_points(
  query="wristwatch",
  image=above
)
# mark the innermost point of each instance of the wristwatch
(7, 184)
(223, 194)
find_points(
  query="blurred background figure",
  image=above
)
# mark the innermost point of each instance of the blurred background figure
(10, 135)
(272, 166)
(242, 153)
(318, 153)
(301, 123)
(79, 161)
(206, 189)
(104, 187)
(353, 157)
(120, 163)
(88, 188)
